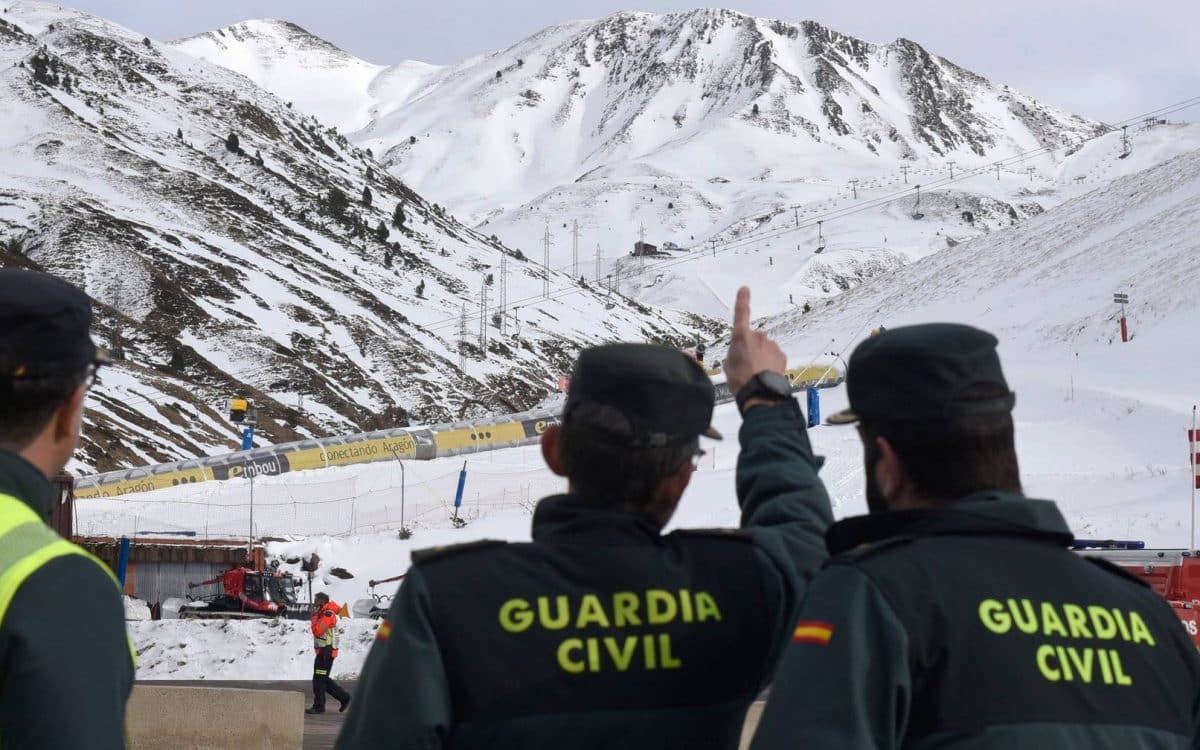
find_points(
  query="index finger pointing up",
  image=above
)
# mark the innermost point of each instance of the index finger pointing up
(741, 312)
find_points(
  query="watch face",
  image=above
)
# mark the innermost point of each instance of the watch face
(776, 382)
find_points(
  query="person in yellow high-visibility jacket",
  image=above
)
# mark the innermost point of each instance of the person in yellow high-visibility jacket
(63, 682)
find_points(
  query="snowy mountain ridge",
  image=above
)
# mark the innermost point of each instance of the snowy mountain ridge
(237, 247)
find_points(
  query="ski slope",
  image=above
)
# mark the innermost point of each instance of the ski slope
(1099, 424)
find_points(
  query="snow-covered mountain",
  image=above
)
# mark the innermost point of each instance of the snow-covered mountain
(237, 246)
(685, 127)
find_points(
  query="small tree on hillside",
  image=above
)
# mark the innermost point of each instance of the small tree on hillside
(381, 232)
(421, 289)
(754, 110)
(366, 196)
(398, 216)
(336, 203)
(370, 174)
(232, 144)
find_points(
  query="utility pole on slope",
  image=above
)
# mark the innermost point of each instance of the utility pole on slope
(597, 262)
(546, 263)
(796, 214)
(503, 291)
(1124, 141)
(1031, 170)
(997, 171)
(462, 338)
(575, 250)
(483, 316)
(904, 171)
(951, 165)
(854, 187)
(641, 253)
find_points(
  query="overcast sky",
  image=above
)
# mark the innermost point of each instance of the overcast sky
(1100, 58)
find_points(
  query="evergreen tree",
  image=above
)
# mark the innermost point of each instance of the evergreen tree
(66, 82)
(387, 259)
(336, 203)
(754, 110)
(398, 216)
(232, 144)
(490, 280)
(370, 174)
(421, 289)
(146, 41)
(381, 232)
(179, 133)
(366, 196)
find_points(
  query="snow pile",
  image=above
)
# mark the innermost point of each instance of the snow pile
(242, 649)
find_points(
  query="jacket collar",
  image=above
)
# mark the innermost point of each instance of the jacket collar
(25, 482)
(573, 518)
(990, 513)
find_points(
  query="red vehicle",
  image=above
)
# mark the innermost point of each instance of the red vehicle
(1173, 573)
(245, 593)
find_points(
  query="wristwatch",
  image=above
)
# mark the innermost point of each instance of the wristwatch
(769, 385)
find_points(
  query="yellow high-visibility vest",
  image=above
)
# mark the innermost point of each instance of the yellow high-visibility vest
(26, 544)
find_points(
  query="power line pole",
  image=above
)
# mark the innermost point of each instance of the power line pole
(1124, 141)
(904, 171)
(503, 291)
(1031, 170)
(597, 262)
(854, 187)
(483, 316)
(641, 254)
(546, 263)
(796, 213)
(575, 250)
(462, 338)
(951, 165)
(997, 171)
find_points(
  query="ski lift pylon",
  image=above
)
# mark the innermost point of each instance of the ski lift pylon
(820, 238)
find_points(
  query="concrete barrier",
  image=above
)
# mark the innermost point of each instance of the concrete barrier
(194, 718)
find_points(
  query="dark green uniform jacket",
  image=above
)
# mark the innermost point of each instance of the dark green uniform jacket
(65, 667)
(975, 627)
(603, 632)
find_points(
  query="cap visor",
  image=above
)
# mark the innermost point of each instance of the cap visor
(712, 434)
(843, 417)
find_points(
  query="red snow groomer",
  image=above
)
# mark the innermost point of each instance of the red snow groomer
(244, 593)
(1173, 573)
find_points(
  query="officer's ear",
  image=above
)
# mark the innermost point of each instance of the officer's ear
(68, 420)
(890, 475)
(552, 450)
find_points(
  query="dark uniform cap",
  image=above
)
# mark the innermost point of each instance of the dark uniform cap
(922, 373)
(664, 394)
(44, 325)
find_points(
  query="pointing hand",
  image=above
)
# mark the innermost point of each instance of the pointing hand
(750, 352)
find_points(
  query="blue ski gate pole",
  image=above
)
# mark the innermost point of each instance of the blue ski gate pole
(123, 561)
(462, 483)
(814, 406)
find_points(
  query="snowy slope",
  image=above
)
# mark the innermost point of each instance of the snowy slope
(224, 272)
(1100, 424)
(686, 127)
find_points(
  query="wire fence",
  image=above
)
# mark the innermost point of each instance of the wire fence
(300, 505)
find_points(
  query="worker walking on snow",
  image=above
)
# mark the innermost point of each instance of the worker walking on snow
(955, 615)
(604, 632)
(63, 681)
(325, 641)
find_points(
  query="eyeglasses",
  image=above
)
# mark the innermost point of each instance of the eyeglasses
(91, 375)
(699, 454)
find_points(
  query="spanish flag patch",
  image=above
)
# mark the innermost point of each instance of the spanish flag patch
(812, 631)
(384, 632)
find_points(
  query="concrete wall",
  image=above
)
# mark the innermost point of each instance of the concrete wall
(194, 718)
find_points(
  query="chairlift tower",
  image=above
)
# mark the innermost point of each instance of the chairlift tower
(904, 171)
(546, 263)
(575, 249)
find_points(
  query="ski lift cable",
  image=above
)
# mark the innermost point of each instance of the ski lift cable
(841, 213)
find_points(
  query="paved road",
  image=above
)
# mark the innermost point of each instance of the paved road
(319, 731)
